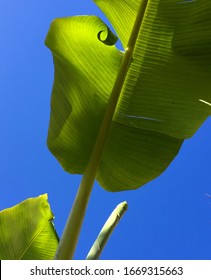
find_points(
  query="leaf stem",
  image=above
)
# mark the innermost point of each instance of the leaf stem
(106, 231)
(68, 242)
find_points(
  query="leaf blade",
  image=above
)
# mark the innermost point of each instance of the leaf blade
(152, 101)
(27, 231)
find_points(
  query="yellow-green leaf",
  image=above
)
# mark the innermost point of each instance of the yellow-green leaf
(27, 231)
(164, 100)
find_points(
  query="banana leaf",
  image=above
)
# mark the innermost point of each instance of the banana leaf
(27, 231)
(165, 98)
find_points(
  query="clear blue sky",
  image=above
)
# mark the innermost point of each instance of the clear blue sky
(169, 218)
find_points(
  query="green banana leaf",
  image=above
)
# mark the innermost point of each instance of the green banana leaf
(165, 98)
(27, 231)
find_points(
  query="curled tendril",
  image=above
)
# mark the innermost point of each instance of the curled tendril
(107, 37)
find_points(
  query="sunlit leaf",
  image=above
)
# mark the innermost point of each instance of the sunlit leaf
(165, 98)
(27, 231)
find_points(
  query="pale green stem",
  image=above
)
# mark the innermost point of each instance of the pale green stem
(106, 231)
(68, 242)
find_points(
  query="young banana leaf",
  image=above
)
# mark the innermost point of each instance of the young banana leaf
(165, 98)
(27, 232)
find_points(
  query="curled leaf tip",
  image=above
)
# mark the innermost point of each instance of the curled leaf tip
(121, 209)
(107, 37)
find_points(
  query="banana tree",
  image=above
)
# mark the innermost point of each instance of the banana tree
(120, 117)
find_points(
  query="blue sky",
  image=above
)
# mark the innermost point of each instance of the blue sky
(169, 218)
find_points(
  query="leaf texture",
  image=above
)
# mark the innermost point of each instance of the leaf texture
(165, 98)
(27, 231)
